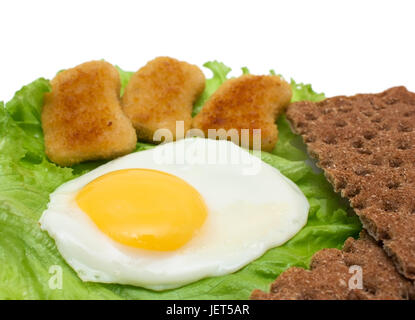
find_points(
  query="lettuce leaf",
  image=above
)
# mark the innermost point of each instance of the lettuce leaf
(28, 255)
(124, 77)
(302, 92)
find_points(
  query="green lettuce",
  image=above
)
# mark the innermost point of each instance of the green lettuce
(124, 78)
(27, 178)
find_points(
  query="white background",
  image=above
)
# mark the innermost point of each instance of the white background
(340, 47)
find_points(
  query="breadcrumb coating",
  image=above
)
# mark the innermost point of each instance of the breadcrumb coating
(248, 102)
(161, 93)
(82, 117)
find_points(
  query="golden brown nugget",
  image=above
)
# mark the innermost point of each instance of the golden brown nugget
(248, 102)
(161, 93)
(82, 118)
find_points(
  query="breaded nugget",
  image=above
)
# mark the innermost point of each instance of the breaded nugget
(248, 102)
(161, 93)
(82, 118)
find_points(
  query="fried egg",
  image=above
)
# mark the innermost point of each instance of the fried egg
(171, 215)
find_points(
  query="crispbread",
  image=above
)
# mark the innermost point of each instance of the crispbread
(331, 276)
(365, 145)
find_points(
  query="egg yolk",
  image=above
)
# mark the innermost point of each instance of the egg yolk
(144, 208)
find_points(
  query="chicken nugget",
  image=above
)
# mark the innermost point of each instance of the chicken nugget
(248, 102)
(161, 93)
(82, 117)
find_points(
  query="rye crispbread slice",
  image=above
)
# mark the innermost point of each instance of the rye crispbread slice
(366, 146)
(331, 277)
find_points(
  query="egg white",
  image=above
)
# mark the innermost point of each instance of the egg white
(247, 215)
